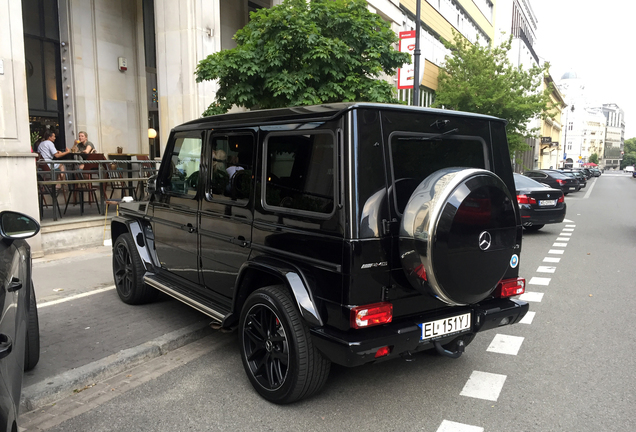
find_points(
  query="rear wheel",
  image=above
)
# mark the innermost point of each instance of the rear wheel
(128, 272)
(534, 227)
(276, 348)
(32, 350)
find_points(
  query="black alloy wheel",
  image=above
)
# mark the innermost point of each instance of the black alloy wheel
(128, 272)
(276, 348)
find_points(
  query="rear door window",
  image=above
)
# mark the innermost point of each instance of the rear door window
(299, 173)
(232, 168)
(416, 156)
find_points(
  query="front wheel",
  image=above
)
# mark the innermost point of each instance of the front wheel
(128, 272)
(32, 349)
(276, 348)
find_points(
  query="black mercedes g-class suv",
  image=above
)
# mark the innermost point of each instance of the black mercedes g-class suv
(348, 233)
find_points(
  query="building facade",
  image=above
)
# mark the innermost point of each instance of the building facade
(614, 136)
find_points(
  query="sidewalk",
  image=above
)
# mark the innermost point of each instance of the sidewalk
(88, 334)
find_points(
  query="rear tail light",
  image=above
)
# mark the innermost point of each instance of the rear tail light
(510, 287)
(371, 315)
(561, 199)
(384, 351)
(561, 182)
(524, 199)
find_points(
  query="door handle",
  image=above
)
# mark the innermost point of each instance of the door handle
(240, 241)
(14, 285)
(6, 345)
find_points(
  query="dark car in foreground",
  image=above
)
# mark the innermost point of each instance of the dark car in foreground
(344, 233)
(555, 179)
(538, 204)
(19, 327)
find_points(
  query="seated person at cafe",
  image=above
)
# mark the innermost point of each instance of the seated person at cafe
(83, 146)
(48, 152)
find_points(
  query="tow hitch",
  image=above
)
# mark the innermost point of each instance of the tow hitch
(440, 349)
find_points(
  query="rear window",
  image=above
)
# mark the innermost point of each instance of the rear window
(416, 156)
(523, 182)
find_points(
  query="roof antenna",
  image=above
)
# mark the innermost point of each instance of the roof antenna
(440, 123)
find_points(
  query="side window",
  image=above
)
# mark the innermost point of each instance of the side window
(300, 172)
(184, 167)
(232, 171)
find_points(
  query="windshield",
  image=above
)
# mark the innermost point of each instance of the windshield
(523, 182)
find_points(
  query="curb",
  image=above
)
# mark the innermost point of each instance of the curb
(62, 385)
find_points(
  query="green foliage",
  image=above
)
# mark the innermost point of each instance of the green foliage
(629, 157)
(481, 79)
(593, 158)
(305, 53)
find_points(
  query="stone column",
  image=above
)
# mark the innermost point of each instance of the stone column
(186, 32)
(18, 182)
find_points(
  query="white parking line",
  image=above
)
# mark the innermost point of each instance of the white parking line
(551, 259)
(484, 385)
(539, 281)
(527, 319)
(563, 239)
(570, 226)
(75, 297)
(531, 296)
(566, 234)
(587, 194)
(559, 245)
(568, 229)
(451, 426)
(505, 344)
(556, 251)
(546, 269)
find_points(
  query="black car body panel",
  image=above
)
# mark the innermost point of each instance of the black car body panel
(539, 205)
(314, 200)
(17, 301)
(579, 175)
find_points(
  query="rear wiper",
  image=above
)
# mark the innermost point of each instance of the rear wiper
(434, 137)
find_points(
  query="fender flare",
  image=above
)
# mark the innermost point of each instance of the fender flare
(293, 277)
(138, 230)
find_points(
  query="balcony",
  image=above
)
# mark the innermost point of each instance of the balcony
(518, 32)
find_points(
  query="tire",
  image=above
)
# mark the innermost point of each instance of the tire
(278, 355)
(534, 227)
(32, 346)
(128, 273)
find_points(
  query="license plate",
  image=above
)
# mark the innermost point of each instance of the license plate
(572, 188)
(544, 203)
(446, 326)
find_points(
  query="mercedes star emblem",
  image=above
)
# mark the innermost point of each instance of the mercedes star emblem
(485, 240)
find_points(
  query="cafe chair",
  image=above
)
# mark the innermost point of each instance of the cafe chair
(44, 174)
(115, 173)
(79, 189)
(146, 170)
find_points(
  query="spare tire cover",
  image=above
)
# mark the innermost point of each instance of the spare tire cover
(458, 234)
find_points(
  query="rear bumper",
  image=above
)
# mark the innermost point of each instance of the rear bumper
(542, 216)
(357, 347)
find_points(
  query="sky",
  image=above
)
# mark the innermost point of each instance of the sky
(597, 40)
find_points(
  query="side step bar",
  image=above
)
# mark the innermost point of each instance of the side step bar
(194, 301)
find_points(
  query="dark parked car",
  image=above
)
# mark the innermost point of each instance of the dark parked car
(579, 175)
(587, 171)
(345, 233)
(596, 172)
(555, 179)
(538, 204)
(19, 328)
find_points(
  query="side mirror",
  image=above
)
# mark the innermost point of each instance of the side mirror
(14, 225)
(152, 184)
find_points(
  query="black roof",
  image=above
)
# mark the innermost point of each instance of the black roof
(313, 112)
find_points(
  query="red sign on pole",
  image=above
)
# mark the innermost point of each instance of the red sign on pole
(406, 74)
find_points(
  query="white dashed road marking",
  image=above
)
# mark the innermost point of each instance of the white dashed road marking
(539, 281)
(556, 251)
(563, 239)
(505, 344)
(527, 319)
(567, 221)
(450, 426)
(559, 245)
(566, 234)
(546, 269)
(568, 229)
(531, 296)
(570, 226)
(484, 385)
(551, 259)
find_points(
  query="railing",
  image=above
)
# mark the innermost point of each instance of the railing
(521, 34)
(124, 173)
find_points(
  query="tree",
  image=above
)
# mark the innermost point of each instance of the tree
(593, 158)
(630, 145)
(481, 79)
(305, 53)
(629, 156)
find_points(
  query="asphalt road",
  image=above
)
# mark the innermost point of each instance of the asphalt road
(571, 368)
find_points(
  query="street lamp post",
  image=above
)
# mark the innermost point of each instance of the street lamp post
(416, 58)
